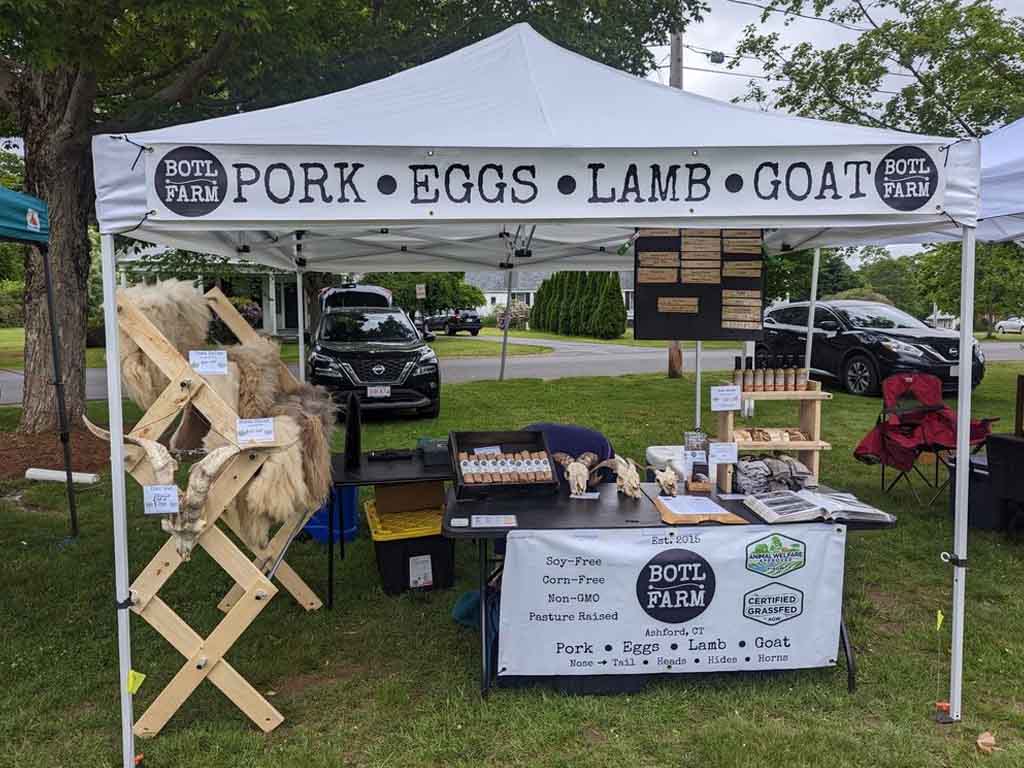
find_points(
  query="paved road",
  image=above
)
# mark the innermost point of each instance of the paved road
(569, 358)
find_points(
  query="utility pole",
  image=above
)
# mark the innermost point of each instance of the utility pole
(675, 80)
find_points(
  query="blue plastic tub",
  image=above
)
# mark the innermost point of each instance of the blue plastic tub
(343, 504)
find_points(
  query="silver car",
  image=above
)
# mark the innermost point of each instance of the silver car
(1010, 325)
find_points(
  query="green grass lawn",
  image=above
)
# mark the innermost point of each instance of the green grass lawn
(626, 339)
(392, 681)
(1000, 336)
(12, 349)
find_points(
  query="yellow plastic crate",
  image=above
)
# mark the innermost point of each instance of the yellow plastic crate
(402, 525)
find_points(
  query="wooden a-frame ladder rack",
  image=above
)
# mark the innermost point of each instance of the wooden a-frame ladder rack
(253, 587)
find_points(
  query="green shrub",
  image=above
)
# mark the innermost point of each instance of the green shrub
(12, 304)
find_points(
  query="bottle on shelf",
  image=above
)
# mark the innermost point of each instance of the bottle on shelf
(769, 375)
(758, 377)
(737, 372)
(790, 374)
(748, 375)
(780, 374)
(802, 376)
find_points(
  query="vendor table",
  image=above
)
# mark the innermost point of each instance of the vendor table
(395, 471)
(610, 510)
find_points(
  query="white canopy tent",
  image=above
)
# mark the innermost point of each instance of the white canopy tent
(512, 151)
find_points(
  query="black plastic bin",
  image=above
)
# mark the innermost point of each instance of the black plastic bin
(411, 552)
(984, 511)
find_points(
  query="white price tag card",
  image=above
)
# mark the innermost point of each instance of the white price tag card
(589, 495)
(421, 572)
(160, 499)
(725, 398)
(487, 449)
(493, 521)
(255, 431)
(722, 453)
(209, 362)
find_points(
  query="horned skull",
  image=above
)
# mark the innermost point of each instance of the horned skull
(579, 471)
(668, 481)
(628, 477)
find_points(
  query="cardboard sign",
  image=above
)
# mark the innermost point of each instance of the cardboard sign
(160, 499)
(726, 398)
(255, 431)
(209, 362)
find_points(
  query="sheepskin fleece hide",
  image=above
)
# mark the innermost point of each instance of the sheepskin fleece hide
(181, 314)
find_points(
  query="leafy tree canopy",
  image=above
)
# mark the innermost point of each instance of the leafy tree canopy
(445, 290)
(941, 67)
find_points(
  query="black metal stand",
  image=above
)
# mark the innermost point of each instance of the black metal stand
(851, 662)
(58, 382)
(485, 645)
(330, 551)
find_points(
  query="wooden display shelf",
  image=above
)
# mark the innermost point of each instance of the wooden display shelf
(808, 452)
(807, 394)
(783, 445)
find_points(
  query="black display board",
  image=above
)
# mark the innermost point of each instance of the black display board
(698, 284)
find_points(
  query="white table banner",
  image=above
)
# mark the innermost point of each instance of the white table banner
(656, 600)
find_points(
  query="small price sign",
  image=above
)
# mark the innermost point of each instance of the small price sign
(725, 398)
(160, 499)
(209, 361)
(255, 431)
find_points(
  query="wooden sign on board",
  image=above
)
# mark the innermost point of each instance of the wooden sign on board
(686, 287)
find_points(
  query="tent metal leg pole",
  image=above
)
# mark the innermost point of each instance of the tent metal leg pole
(508, 318)
(58, 382)
(963, 470)
(808, 345)
(697, 370)
(118, 499)
(300, 301)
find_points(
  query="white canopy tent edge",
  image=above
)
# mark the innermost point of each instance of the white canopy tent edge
(453, 102)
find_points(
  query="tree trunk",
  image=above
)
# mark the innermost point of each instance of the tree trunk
(675, 359)
(56, 110)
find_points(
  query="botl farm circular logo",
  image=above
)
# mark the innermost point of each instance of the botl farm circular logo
(906, 178)
(676, 585)
(190, 181)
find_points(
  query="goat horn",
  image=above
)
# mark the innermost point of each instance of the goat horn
(164, 466)
(203, 473)
(99, 432)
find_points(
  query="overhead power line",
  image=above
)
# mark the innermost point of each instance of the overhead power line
(769, 9)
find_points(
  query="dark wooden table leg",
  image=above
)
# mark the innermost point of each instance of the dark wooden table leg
(851, 662)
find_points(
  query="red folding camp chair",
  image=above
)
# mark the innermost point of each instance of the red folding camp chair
(915, 421)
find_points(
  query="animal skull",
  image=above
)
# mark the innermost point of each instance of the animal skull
(628, 480)
(668, 480)
(577, 470)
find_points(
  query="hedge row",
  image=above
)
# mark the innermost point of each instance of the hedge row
(580, 304)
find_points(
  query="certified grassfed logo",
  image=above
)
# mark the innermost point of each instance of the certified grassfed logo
(190, 181)
(676, 585)
(776, 555)
(906, 178)
(773, 603)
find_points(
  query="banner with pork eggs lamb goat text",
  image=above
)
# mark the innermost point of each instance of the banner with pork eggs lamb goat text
(234, 183)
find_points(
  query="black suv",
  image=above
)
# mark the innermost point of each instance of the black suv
(860, 343)
(377, 353)
(453, 321)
